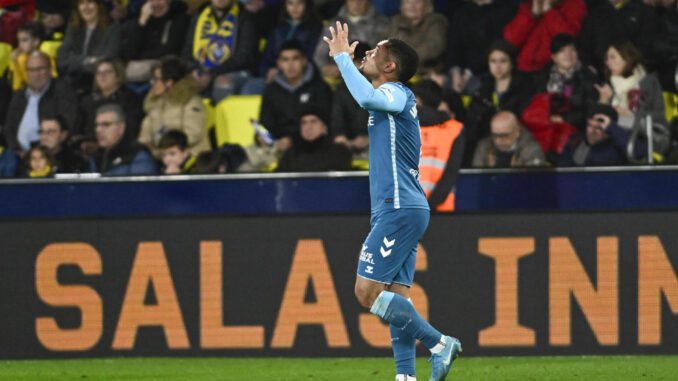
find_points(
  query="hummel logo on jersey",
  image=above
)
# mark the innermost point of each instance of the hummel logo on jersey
(388, 93)
(413, 111)
(388, 244)
(368, 269)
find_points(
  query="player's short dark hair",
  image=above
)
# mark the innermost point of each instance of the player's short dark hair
(429, 92)
(405, 57)
(58, 118)
(34, 29)
(172, 68)
(173, 138)
(292, 45)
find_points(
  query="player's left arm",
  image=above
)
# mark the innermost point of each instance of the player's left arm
(387, 98)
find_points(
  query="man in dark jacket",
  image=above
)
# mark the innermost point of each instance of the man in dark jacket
(298, 86)
(616, 20)
(160, 30)
(118, 155)
(53, 133)
(313, 150)
(603, 143)
(41, 96)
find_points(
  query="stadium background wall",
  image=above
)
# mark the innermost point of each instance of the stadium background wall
(518, 284)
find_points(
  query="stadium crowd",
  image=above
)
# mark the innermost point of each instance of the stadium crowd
(123, 87)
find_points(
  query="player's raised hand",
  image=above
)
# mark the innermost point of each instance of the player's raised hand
(339, 41)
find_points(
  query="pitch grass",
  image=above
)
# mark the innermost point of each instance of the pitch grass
(600, 368)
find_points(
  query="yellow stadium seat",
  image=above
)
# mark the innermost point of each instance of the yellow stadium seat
(50, 47)
(232, 119)
(671, 105)
(5, 57)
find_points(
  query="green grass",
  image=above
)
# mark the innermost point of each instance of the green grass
(284, 369)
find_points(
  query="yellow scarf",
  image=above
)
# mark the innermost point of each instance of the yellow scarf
(213, 41)
(44, 173)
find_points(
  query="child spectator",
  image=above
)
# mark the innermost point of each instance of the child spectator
(29, 37)
(176, 156)
(38, 163)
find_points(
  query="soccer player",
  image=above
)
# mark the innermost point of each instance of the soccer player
(400, 213)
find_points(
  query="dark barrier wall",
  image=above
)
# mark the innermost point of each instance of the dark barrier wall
(625, 188)
(504, 284)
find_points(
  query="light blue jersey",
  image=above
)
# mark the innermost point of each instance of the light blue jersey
(395, 140)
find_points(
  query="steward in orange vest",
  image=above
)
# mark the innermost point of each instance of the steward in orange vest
(442, 149)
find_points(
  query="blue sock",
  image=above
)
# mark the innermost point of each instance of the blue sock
(400, 313)
(404, 351)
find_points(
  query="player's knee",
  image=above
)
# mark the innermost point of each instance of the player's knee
(364, 295)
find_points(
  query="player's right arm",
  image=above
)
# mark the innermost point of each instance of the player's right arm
(387, 98)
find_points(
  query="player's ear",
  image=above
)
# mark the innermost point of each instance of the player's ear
(389, 67)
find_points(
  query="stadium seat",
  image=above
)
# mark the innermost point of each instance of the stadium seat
(670, 105)
(50, 48)
(5, 57)
(232, 119)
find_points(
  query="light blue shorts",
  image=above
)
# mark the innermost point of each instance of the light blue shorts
(389, 254)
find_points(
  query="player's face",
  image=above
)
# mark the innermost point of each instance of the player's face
(312, 127)
(500, 64)
(566, 58)
(292, 64)
(374, 60)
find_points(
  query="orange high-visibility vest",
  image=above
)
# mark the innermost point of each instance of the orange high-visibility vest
(436, 143)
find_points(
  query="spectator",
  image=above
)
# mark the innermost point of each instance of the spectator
(510, 145)
(174, 104)
(232, 158)
(53, 133)
(445, 100)
(8, 162)
(109, 80)
(364, 24)
(223, 62)
(89, 37)
(176, 156)
(159, 30)
(53, 16)
(29, 37)
(298, 21)
(42, 96)
(503, 88)
(297, 86)
(313, 150)
(422, 29)
(14, 14)
(536, 23)
(474, 25)
(349, 120)
(117, 9)
(118, 155)
(564, 90)
(632, 92)
(442, 147)
(603, 143)
(39, 163)
(616, 20)
(665, 46)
